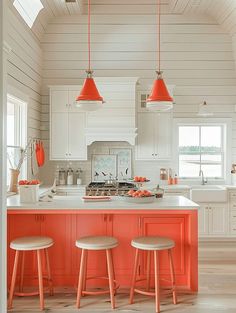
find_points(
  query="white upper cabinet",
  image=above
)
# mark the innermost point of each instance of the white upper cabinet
(67, 125)
(63, 99)
(154, 136)
(77, 148)
(59, 101)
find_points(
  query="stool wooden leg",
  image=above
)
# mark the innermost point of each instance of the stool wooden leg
(40, 277)
(22, 272)
(81, 277)
(131, 298)
(13, 280)
(85, 271)
(148, 270)
(113, 270)
(110, 269)
(49, 273)
(157, 283)
(172, 273)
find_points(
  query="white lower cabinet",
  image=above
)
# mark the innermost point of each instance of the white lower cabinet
(213, 220)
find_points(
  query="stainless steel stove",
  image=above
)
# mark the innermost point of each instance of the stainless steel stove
(105, 189)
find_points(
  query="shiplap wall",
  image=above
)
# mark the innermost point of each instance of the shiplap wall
(197, 56)
(25, 66)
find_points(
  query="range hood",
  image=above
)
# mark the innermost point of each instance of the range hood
(110, 134)
(116, 120)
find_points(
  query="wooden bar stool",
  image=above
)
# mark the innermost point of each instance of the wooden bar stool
(22, 245)
(96, 243)
(153, 244)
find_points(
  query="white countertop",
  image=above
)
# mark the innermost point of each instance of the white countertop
(75, 202)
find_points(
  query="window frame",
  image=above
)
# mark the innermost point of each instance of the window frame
(226, 124)
(20, 120)
(25, 10)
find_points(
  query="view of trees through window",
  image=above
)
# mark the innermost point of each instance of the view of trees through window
(201, 148)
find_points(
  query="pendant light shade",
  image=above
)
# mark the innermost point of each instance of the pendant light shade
(159, 99)
(89, 98)
(204, 110)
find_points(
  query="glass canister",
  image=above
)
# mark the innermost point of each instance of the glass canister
(163, 174)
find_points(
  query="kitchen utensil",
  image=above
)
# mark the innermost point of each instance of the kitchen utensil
(40, 154)
(34, 163)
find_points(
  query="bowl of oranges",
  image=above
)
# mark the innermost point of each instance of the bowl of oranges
(139, 196)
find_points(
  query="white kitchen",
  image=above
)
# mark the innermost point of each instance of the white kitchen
(118, 141)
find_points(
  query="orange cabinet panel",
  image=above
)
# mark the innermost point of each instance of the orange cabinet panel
(176, 228)
(58, 227)
(19, 226)
(124, 228)
(89, 225)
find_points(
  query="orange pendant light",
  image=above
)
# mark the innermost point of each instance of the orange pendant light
(89, 98)
(159, 99)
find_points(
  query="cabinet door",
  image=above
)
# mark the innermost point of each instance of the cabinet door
(124, 228)
(21, 225)
(73, 94)
(59, 101)
(59, 136)
(76, 135)
(58, 227)
(145, 140)
(176, 228)
(163, 135)
(89, 225)
(203, 220)
(218, 219)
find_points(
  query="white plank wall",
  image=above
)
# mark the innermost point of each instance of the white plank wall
(25, 66)
(197, 55)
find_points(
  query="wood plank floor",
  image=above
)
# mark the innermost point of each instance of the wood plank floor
(217, 294)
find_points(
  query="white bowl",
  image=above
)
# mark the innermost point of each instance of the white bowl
(129, 199)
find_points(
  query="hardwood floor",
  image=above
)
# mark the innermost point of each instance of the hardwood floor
(217, 294)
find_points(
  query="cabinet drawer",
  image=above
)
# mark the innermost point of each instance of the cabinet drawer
(233, 205)
(233, 228)
(232, 196)
(233, 216)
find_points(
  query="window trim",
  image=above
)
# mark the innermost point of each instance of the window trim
(227, 140)
(20, 125)
(25, 10)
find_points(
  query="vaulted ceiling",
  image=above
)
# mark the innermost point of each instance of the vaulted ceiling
(223, 11)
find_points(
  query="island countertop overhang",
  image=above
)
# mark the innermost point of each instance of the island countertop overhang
(116, 204)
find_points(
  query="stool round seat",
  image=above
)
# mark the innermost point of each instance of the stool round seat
(152, 243)
(96, 243)
(31, 243)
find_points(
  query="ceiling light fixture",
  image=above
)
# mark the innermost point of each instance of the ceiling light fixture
(160, 99)
(204, 110)
(89, 98)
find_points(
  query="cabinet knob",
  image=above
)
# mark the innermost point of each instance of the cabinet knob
(152, 154)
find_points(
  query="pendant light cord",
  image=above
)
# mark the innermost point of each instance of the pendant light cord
(159, 33)
(89, 36)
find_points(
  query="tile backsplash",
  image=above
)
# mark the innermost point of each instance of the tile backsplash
(150, 169)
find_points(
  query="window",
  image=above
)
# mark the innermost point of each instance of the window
(28, 9)
(16, 133)
(202, 146)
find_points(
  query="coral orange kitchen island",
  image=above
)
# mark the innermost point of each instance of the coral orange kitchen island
(69, 218)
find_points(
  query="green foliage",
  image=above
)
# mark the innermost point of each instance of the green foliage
(199, 150)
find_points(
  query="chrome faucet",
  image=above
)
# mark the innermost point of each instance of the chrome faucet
(204, 181)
